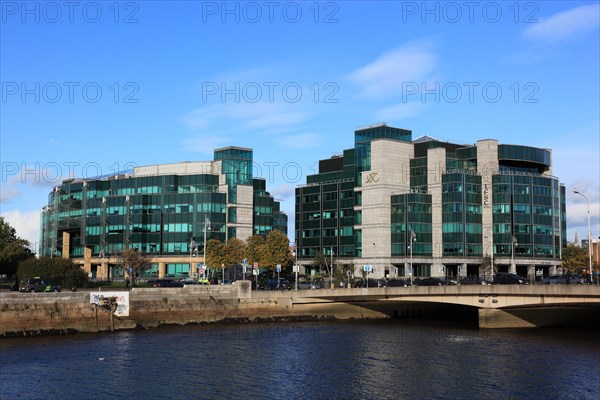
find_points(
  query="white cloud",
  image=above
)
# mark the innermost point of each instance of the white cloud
(26, 223)
(283, 192)
(399, 111)
(384, 77)
(300, 140)
(205, 143)
(566, 25)
(260, 115)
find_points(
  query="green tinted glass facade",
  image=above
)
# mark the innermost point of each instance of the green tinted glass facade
(411, 212)
(325, 209)
(461, 215)
(530, 209)
(161, 215)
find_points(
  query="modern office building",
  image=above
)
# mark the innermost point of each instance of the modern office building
(444, 209)
(163, 210)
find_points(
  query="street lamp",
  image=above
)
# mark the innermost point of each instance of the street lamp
(206, 227)
(513, 266)
(296, 268)
(589, 239)
(413, 238)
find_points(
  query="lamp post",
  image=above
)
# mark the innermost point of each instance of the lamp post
(296, 268)
(331, 270)
(413, 238)
(589, 237)
(206, 227)
(513, 266)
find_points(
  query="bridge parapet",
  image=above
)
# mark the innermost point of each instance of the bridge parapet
(489, 296)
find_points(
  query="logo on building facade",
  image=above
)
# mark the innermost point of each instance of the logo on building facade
(372, 178)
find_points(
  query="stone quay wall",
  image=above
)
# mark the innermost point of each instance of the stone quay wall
(28, 314)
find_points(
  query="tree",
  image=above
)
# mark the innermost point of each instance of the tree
(13, 249)
(276, 250)
(215, 253)
(255, 249)
(134, 263)
(235, 251)
(575, 259)
(57, 270)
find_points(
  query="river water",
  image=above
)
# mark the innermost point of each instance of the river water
(389, 359)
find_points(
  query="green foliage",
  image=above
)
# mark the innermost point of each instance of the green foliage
(575, 259)
(13, 249)
(235, 252)
(58, 270)
(275, 250)
(255, 249)
(215, 253)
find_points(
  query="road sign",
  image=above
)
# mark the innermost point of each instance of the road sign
(255, 265)
(367, 268)
(245, 261)
(278, 268)
(255, 272)
(198, 264)
(296, 268)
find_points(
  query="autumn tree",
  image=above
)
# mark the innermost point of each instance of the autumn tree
(276, 250)
(235, 252)
(13, 249)
(255, 249)
(134, 263)
(575, 259)
(215, 254)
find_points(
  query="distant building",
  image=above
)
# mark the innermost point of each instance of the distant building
(461, 205)
(162, 210)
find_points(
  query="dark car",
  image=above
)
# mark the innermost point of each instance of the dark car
(473, 280)
(398, 283)
(569, 279)
(372, 283)
(431, 281)
(278, 284)
(166, 283)
(310, 285)
(505, 278)
(38, 285)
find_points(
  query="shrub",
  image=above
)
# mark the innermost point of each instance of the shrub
(58, 270)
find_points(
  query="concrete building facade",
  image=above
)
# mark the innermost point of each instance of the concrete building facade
(164, 210)
(426, 207)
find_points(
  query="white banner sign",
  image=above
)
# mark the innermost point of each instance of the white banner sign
(120, 300)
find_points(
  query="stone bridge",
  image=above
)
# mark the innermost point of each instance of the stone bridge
(498, 306)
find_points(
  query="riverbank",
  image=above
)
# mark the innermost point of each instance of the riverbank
(29, 314)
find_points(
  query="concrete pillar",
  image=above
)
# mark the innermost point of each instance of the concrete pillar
(87, 259)
(161, 270)
(66, 246)
(463, 271)
(531, 273)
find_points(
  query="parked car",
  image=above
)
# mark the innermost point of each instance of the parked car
(373, 283)
(309, 285)
(473, 280)
(278, 284)
(398, 282)
(431, 281)
(166, 283)
(38, 285)
(505, 278)
(568, 279)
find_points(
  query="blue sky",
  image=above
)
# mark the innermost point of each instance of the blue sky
(90, 88)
